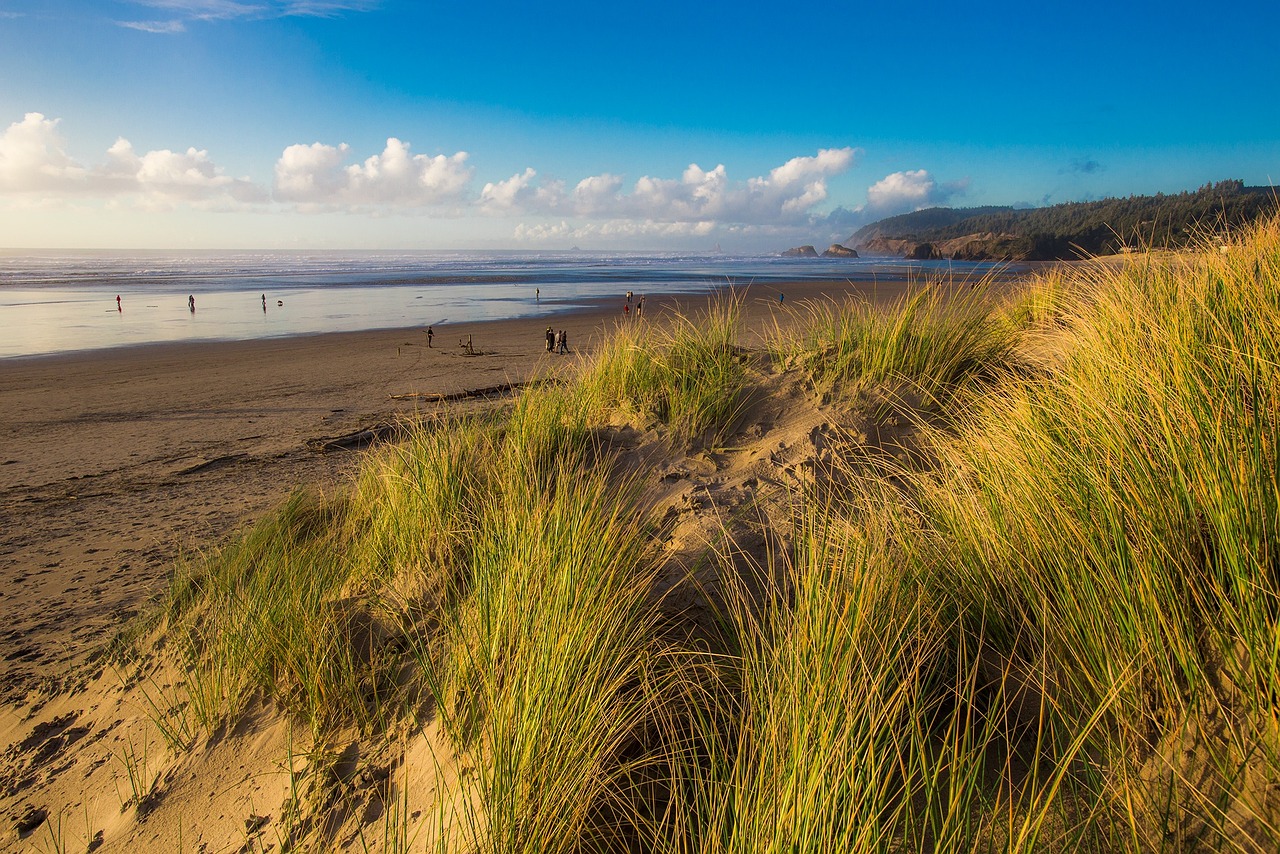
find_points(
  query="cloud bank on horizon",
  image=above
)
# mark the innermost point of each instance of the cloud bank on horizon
(37, 170)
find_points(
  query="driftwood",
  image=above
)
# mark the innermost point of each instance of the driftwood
(390, 431)
(360, 438)
(459, 395)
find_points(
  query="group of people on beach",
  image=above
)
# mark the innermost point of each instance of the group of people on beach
(626, 307)
(557, 342)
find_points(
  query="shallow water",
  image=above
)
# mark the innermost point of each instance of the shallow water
(54, 302)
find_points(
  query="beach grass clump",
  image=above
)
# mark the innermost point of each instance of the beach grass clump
(689, 374)
(549, 656)
(851, 711)
(264, 614)
(1110, 531)
(836, 694)
(928, 342)
(489, 569)
(419, 504)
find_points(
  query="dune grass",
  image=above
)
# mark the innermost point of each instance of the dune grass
(689, 374)
(1056, 630)
(1112, 528)
(928, 341)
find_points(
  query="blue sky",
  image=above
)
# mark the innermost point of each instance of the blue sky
(392, 124)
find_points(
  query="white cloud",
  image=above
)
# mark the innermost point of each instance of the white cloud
(162, 27)
(208, 10)
(613, 231)
(901, 192)
(225, 10)
(170, 176)
(314, 175)
(541, 232)
(325, 8)
(597, 194)
(33, 159)
(519, 192)
(309, 172)
(789, 204)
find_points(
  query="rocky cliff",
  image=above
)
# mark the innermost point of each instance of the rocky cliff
(971, 247)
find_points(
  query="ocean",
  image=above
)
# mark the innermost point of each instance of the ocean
(64, 301)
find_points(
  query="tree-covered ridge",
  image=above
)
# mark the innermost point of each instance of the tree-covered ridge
(1071, 229)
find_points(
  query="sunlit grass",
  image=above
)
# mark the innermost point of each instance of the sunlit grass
(689, 374)
(929, 341)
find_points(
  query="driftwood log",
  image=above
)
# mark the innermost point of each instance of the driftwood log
(459, 395)
(360, 438)
(393, 430)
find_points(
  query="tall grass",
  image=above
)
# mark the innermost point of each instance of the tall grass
(930, 340)
(549, 653)
(261, 615)
(689, 374)
(836, 684)
(1112, 528)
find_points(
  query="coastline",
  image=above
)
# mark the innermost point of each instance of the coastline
(119, 461)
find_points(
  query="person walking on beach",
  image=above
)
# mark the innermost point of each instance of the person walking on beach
(551, 339)
(191, 303)
(626, 310)
(119, 308)
(430, 334)
(640, 306)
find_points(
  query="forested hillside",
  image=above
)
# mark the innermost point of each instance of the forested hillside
(1068, 230)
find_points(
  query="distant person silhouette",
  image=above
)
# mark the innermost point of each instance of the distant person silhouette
(430, 334)
(119, 308)
(191, 303)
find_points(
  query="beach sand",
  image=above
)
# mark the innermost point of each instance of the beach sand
(115, 463)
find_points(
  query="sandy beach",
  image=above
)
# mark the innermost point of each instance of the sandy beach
(117, 462)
